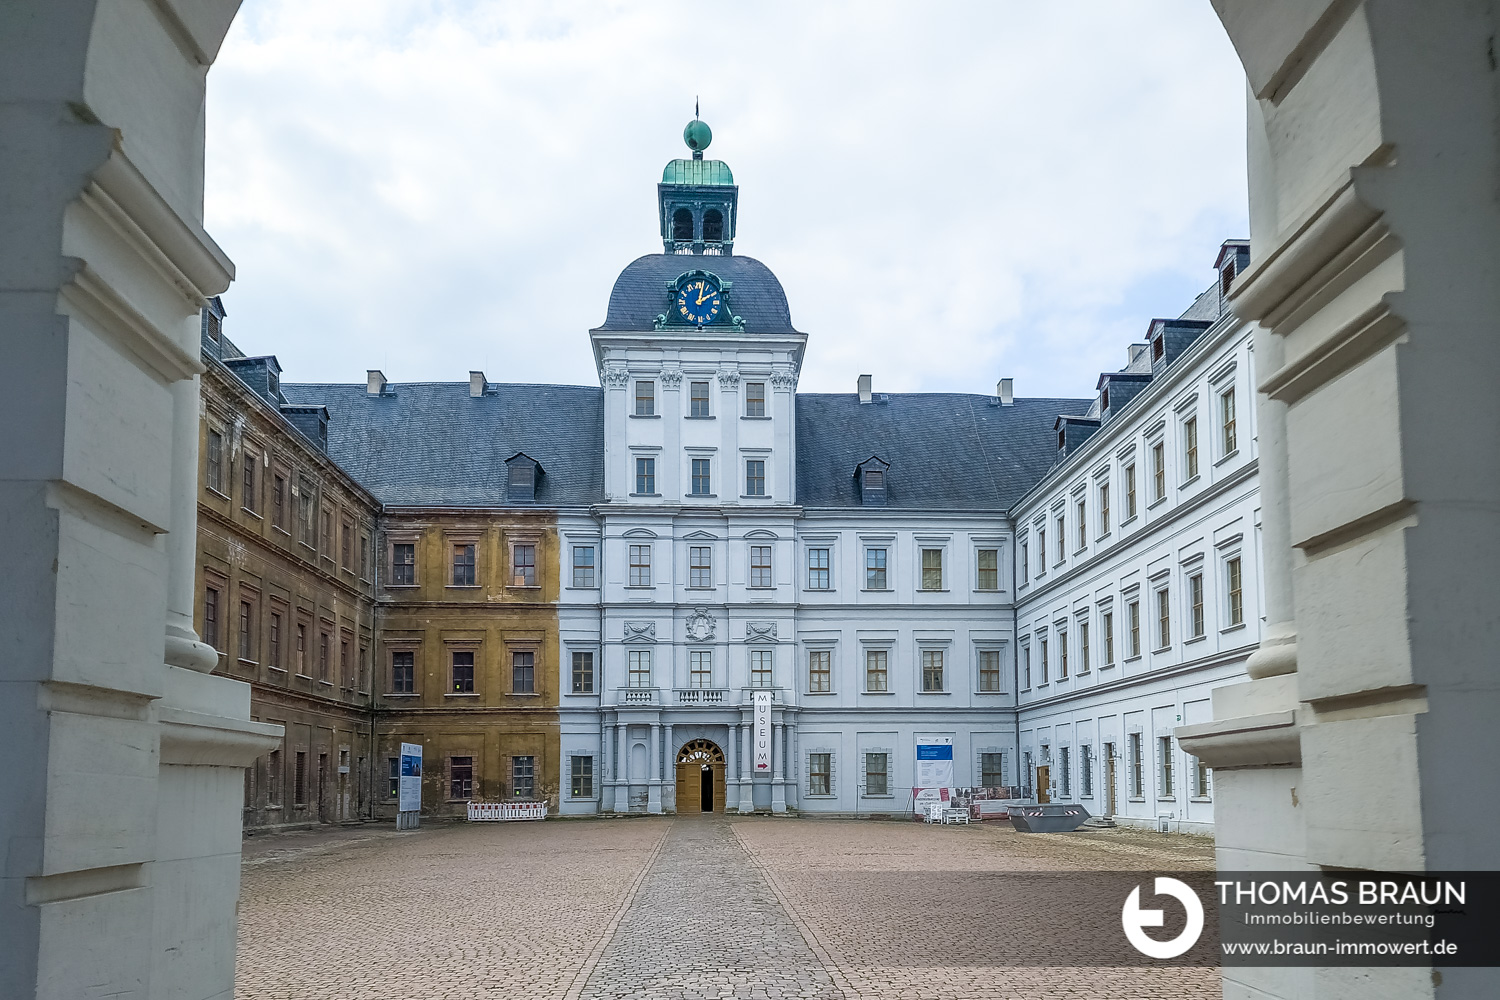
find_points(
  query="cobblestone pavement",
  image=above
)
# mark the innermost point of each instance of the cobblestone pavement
(691, 908)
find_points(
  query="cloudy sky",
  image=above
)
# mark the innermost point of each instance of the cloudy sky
(950, 193)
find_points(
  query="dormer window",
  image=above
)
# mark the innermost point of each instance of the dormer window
(1062, 439)
(214, 325)
(522, 472)
(1158, 347)
(1104, 399)
(1226, 276)
(872, 486)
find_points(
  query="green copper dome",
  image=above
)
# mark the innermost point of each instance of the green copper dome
(714, 172)
(697, 135)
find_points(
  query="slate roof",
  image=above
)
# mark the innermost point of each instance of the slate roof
(640, 292)
(949, 451)
(431, 444)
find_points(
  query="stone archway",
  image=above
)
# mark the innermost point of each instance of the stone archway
(700, 778)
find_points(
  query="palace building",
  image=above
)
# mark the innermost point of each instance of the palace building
(581, 594)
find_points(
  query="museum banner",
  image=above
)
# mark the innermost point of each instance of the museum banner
(762, 703)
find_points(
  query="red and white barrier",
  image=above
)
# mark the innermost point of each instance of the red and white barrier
(504, 812)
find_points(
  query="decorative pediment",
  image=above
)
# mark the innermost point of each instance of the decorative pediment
(640, 631)
(701, 626)
(700, 536)
(759, 631)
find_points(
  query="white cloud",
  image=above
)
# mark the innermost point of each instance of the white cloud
(949, 193)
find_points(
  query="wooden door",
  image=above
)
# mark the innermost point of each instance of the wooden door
(717, 770)
(689, 788)
(1043, 780)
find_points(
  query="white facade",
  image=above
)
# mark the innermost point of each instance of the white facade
(1140, 587)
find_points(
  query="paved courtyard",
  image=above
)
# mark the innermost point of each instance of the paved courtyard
(687, 908)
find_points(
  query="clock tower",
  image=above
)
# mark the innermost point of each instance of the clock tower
(697, 200)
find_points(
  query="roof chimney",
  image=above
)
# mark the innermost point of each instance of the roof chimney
(865, 395)
(374, 382)
(477, 383)
(1006, 390)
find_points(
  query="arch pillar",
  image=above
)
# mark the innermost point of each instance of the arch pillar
(1375, 279)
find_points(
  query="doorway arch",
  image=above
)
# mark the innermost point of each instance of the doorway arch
(700, 777)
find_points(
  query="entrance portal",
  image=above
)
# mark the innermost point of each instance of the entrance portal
(700, 777)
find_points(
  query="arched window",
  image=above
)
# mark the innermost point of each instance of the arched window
(713, 226)
(682, 225)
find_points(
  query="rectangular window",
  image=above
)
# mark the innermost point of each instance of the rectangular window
(818, 576)
(1129, 491)
(1086, 771)
(1107, 622)
(820, 671)
(1026, 667)
(988, 561)
(1062, 654)
(701, 668)
(640, 565)
(1133, 613)
(463, 565)
(760, 668)
(645, 399)
(273, 778)
(1041, 550)
(301, 650)
(1083, 645)
(523, 672)
(306, 497)
(215, 461)
(1163, 619)
(932, 670)
(989, 670)
(403, 564)
(639, 661)
(991, 770)
(581, 774)
(1200, 779)
(755, 399)
(702, 480)
(875, 569)
(346, 679)
(463, 672)
(698, 399)
(819, 773)
(364, 557)
(1065, 759)
(1025, 562)
(1236, 594)
(700, 566)
(299, 779)
(403, 671)
(364, 660)
(1229, 440)
(322, 656)
(460, 777)
(211, 616)
(1104, 508)
(645, 476)
(523, 565)
(877, 774)
(346, 546)
(275, 657)
(876, 673)
(1137, 771)
(755, 478)
(1083, 525)
(325, 543)
(583, 566)
(760, 565)
(1159, 469)
(1062, 538)
(1190, 445)
(393, 778)
(523, 777)
(249, 495)
(1164, 752)
(1043, 659)
(1195, 597)
(246, 634)
(932, 569)
(583, 673)
(278, 501)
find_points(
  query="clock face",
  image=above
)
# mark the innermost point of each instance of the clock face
(698, 301)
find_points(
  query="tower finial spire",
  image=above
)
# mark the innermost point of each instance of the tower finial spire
(695, 109)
